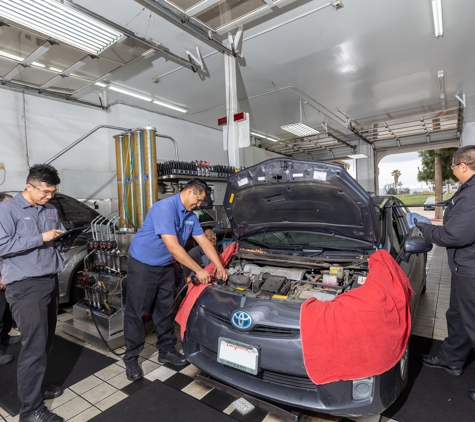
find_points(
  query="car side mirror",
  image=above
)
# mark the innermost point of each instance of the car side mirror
(414, 245)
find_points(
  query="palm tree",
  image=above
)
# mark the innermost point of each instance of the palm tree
(396, 174)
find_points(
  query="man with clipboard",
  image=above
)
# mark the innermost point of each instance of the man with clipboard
(29, 230)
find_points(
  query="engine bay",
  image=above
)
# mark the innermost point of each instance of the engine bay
(323, 281)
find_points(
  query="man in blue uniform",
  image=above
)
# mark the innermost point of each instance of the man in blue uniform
(151, 273)
(458, 235)
(31, 261)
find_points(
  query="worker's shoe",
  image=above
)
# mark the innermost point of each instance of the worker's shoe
(10, 339)
(471, 394)
(52, 392)
(4, 358)
(43, 415)
(436, 362)
(133, 370)
(172, 357)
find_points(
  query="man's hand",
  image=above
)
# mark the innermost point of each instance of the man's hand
(203, 276)
(221, 274)
(2, 286)
(50, 235)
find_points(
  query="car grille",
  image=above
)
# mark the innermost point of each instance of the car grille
(301, 383)
(261, 330)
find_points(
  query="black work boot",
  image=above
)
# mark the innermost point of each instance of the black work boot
(133, 370)
(172, 357)
(4, 358)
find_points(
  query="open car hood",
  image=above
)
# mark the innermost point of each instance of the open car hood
(285, 194)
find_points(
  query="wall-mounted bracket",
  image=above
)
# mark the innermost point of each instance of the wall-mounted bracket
(462, 100)
(195, 61)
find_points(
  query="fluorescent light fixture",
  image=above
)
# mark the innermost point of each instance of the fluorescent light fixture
(38, 64)
(265, 137)
(55, 19)
(357, 156)
(437, 14)
(172, 106)
(300, 129)
(132, 94)
(11, 56)
(142, 97)
(54, 69)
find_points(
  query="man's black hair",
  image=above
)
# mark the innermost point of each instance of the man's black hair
(199, 186)
(207, 228)
(4, 195)
(465, 155)
(43, 173)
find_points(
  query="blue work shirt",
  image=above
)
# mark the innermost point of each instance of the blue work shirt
(167, 216)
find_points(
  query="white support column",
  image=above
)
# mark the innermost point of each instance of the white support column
(365, 171)
(232, 138)
(468, 134)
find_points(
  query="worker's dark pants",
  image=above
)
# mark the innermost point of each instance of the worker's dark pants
(6, 321)
(149, 288)
(460, 321)
(34, 304)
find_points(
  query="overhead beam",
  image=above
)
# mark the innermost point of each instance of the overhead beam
(203, 32)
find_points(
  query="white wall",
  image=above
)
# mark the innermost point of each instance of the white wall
(40, 127)
(52, 125)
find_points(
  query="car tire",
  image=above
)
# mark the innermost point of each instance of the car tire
(76, 294)
(404, 368)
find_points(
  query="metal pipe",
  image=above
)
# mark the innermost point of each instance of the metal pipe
(138, 177)
(59, 154)
(169, 137)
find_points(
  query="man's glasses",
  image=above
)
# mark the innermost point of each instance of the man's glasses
(45, 192)
(455, 165)
(210, 235)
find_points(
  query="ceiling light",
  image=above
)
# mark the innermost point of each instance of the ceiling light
(54, 19)
(54, 69)
(142, 97)
(132, 94)
(300, 129)
(357, 156)
(38, 64)
(265, 137)
(11, 56)
(172, 106)
(437, 14)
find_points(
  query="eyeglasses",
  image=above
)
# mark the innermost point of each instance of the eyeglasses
(45, 192)
(198, 198)
(455, 165)
(210, 235)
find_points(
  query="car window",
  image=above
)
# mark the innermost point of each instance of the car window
(396, 233)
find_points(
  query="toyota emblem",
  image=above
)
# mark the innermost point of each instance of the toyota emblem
(241, 320)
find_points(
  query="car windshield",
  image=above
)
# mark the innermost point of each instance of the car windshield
(318, 240)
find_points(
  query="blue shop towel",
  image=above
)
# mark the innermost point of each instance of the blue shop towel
(420, 219)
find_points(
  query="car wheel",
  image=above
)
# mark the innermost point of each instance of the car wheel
(76, 294)
(404, 368)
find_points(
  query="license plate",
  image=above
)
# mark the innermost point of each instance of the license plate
(238, 355)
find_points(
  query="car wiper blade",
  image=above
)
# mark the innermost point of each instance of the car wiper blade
(272, 246)
(339, 248)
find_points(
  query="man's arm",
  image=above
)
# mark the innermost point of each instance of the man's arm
(180, 255)
(458, 231)
(211, 253)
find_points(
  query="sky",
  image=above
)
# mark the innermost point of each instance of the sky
(407, 163)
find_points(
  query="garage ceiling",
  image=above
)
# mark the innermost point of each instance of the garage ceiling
(368, 72)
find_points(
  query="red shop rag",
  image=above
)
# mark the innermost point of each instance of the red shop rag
(194, 292)
(360, 333)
